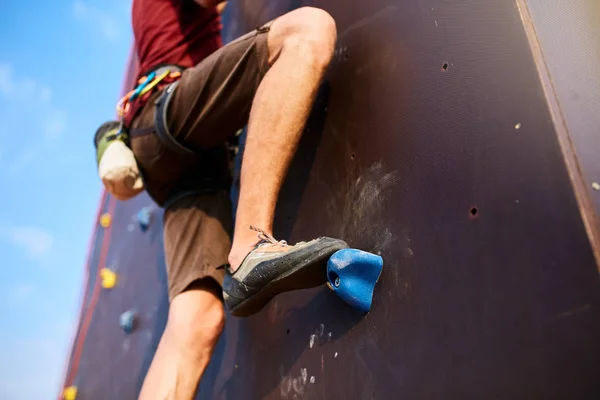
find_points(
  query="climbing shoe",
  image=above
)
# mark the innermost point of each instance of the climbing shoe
(274, 267)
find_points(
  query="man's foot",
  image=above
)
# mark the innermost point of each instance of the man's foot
(274, 267)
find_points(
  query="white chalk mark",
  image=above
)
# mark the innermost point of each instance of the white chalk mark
(298, 387)
(329, 337)
(364, 202)
(311, 343)
(286, 386)
(436, 25)
(574, 311)
(335, 355)
(518, 126)
(368, 20)
(312, 379)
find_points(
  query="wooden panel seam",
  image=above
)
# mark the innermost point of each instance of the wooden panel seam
(580, 187)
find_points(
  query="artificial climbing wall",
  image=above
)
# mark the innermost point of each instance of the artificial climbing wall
(444, 139)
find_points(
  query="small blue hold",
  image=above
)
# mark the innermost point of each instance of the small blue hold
(352, 275)
(144, 217)
(127, 321)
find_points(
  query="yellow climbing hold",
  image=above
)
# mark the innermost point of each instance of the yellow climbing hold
(105, 220)
(109, 278)
(70, 393)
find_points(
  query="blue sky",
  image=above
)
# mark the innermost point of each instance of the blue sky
(61, 69)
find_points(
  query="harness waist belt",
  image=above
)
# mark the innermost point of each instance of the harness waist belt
(160, 122)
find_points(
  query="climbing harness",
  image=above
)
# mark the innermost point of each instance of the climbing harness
(166, 77)
(117, 165)
(160, 123)
(165, 74)
(129, 104)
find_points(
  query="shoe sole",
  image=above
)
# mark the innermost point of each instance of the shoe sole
(309, 273)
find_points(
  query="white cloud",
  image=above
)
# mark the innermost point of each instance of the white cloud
(23, 91)
(36, 242)
(21, 291)
(45, 94)
(80, 9)
(54, 123)
(97, 19)
(2, 137)
(22, 88)
(22, 160)
(33, 359)
(28, 87)
(6, 83)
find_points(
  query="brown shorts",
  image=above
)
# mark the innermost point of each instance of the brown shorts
(210, 104)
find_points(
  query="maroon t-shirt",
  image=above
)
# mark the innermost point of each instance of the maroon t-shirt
(177, 32)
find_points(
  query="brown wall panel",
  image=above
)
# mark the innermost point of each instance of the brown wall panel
(432, 143)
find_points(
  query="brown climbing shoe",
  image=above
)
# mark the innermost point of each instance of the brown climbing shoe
(274, 267)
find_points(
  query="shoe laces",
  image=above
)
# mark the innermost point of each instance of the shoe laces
(266, 238)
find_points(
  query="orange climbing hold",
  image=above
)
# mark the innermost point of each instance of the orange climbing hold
(70, 393)
(105, 220)
(109, 278)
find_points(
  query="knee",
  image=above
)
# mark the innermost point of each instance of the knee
(195, 331)
(312, 33)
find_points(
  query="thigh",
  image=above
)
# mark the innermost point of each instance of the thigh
(166, 174)
(197, 238)
(213, 99)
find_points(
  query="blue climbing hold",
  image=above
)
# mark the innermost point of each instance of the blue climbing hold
(144, 217)
(352, 275)
(127, 321)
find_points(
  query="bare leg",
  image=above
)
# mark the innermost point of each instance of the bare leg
(196, 319)
(301, 45)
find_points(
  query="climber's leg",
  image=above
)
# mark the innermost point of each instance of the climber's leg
(300, 47)
(197, 238)
(196, 319)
